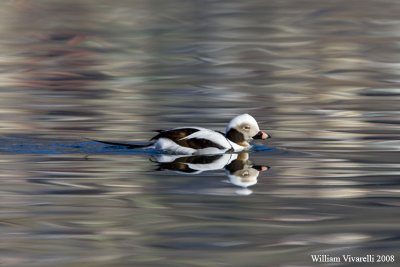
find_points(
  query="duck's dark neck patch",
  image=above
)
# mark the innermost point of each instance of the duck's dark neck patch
(235, 136)
(235, 165)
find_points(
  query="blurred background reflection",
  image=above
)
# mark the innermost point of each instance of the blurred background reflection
(321, 76)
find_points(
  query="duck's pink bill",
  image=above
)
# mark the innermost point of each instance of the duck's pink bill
(264, 135)
(264, 168)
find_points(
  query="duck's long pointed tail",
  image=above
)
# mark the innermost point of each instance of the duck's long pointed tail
(124, 144)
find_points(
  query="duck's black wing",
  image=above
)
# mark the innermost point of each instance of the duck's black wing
(174, 134)
(181, 137)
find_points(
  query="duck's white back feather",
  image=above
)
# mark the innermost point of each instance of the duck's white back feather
(211, 135)
(165, 144)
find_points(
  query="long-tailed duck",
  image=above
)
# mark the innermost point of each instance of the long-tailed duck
(238, 168)
(240, 131)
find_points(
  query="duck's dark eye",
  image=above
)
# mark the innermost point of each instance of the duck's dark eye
(246, 127)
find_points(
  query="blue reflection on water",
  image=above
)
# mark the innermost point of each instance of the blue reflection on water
(42, 146)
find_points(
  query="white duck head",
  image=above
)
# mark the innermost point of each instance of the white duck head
(242, 129)
(241, 172)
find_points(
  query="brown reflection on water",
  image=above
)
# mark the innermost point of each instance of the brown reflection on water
(321, 77)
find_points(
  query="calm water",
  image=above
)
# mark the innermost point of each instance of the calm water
(321, 76)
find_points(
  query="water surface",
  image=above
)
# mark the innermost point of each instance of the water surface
(321, 77)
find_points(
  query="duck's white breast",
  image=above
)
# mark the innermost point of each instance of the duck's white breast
(166, 144)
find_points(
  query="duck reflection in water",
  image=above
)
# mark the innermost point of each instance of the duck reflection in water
(238, 168)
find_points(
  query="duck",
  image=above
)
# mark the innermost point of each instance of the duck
(238, 135)
(240, 171)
